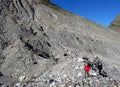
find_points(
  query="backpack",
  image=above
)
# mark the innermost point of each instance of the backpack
(99, 65)
(86, 67)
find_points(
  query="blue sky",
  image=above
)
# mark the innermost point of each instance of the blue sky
(100, 11)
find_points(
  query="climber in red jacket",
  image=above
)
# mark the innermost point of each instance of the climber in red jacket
(87, 70)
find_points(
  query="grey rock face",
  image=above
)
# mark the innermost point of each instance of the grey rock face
(115, 25)
(39, 41)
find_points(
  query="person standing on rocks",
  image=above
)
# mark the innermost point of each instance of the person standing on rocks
(98, 65)
(86, 69)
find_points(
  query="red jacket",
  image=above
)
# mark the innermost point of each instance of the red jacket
(87, 67)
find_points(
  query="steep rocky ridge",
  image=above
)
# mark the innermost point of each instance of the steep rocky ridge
(115, 25)
(41, 40)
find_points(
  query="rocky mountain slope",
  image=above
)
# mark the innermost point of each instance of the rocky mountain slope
(115, 25)
(42, 45)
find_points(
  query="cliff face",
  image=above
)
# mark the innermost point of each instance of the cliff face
(41, 41)
(115, 25)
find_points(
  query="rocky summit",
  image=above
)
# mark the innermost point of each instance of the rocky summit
(115, 25)
(42, 45)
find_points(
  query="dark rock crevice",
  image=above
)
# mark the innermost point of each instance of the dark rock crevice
(23, 6)
(43, 32)
(37, 47)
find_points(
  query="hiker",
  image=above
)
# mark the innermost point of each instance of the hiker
(86, 69)
(97, 65)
